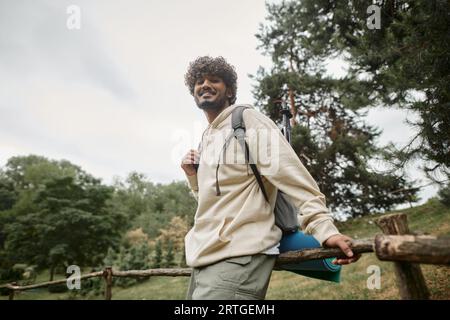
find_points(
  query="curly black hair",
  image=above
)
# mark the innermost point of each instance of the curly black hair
(218, 67)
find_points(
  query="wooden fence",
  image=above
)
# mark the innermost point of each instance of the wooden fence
(395, 244)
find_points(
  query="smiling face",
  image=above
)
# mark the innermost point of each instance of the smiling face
(210, 92)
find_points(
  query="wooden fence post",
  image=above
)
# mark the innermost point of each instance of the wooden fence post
(12, 291)
(107, 274)
(409, 276)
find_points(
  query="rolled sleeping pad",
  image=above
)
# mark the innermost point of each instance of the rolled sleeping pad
(319, 269)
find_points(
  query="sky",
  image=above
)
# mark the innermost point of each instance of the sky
(110, 96)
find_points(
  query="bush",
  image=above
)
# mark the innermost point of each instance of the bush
(91, 287)
(444, 195)
(10, 275)
(58, 288)
(134, 257)
(4, 291)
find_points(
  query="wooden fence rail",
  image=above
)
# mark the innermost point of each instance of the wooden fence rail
(417, 249)
(406, 251)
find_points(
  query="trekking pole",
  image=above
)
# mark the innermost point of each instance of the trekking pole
(287, 115)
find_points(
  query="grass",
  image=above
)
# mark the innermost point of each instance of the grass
(431, 217)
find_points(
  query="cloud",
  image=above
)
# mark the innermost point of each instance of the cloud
(36, 43)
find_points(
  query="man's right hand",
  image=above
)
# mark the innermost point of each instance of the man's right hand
(187, 164)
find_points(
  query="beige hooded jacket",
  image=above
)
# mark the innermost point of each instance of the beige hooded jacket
(235, 219)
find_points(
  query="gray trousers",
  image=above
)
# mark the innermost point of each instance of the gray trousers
(239, 278)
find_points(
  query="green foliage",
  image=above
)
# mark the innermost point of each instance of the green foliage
(170, 257)
(8, 195)
(151, 207)
(444, 195)
(10, 274)
(54, 214)
(67, 220)
(183, 263)
(133, 257)
(72, 225)
(58, 288)
(329, 134)
(404, 64)
(157, 260)
(432, 217)
(135, 194)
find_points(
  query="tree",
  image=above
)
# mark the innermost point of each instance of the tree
(174, 232)
(8, 195)
(404, 64)
(136, 236)
(134, 195)
(444, 195)
(31, 172)
(170, 257)
(157, 261)
(329, 135)
(70, 220)
(130, 256)
(150, 206)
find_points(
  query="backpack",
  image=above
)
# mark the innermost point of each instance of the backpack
(285, 212)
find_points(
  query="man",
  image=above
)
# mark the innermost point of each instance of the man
(233, 244)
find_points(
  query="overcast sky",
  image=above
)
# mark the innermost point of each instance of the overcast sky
(110, 96)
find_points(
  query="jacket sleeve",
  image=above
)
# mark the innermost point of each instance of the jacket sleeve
(283, 169)
(193, 185)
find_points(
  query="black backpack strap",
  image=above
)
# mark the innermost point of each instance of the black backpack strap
(238, 125)
(258, 177)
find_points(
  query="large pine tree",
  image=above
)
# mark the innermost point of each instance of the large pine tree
(329, 134)
(403, 64)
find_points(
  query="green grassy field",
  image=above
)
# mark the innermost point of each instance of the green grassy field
(432, 218)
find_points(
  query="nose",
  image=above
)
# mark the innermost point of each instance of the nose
(206, 83)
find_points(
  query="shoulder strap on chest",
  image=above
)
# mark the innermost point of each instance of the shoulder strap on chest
(238, 125)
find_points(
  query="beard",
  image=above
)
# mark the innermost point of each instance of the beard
(212, 105)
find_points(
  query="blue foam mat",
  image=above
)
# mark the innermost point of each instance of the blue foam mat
(319, 269)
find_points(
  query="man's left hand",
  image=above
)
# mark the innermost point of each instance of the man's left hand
(344, 243)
